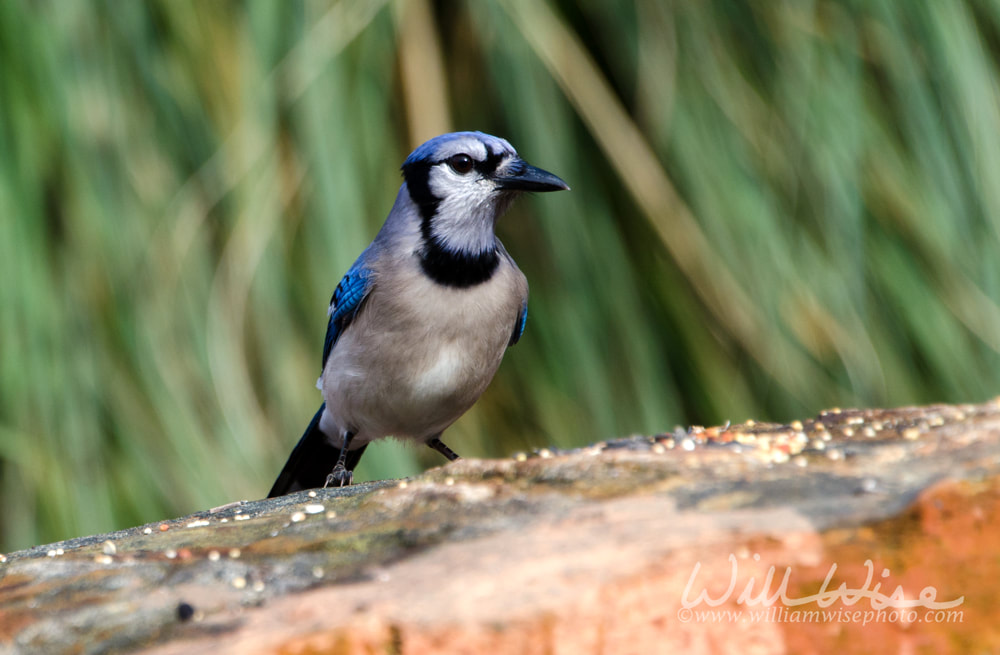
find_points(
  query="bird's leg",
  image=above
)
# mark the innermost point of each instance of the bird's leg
(340, 476)
(439, 446)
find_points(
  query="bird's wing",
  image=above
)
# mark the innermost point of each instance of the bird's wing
(522, 319)
(346, 302)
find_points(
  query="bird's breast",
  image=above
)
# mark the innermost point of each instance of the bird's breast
(420, 354)
(443, 371)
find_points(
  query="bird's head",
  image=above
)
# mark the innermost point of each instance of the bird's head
(462, 183)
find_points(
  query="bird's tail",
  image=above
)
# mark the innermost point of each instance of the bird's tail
(311, 461)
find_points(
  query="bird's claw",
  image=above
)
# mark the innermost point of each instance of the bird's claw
(339, 477)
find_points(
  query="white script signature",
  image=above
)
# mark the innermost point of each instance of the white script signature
(825, 597)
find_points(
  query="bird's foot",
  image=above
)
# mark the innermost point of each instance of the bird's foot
(339, 477)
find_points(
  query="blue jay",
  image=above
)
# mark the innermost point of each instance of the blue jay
(418, 325)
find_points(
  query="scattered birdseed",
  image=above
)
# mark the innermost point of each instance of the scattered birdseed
(170, 553)
(658, 449)
(298, 516)
(869, 485)
(545, 453)
(520, 457)
(687, 444)
(331, 514)
(258, 586)
(213, 556)
(848, 432)
(109, 548)
(800, 461)
(164, 527)
(241, 517)
(449, 482)
(796, 425)
(911, 433)
(148, 531)
(835, 454)
(103, 559)
(3, 558)
(234, 553)
(198, 524)
(311, 494)
(868, 432)
(317, 571)
(313, 509)
(239, 582)
(220, 508)
(403, 484)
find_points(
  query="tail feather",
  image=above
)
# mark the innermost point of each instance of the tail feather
(311, 461)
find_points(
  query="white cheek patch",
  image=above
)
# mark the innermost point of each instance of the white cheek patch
(464, 219)
(445, 183)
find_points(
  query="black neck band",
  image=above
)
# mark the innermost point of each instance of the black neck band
(456, 269)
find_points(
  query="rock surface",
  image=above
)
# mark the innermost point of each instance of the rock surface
(857, 531)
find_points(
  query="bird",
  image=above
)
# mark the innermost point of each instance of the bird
(418, 325)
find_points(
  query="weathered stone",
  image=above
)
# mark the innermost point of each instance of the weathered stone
(605, 549)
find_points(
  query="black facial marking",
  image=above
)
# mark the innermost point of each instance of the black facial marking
(489, 166)
(417, 176)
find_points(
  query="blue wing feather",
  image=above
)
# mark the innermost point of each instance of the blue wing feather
(522, 319)
(347, 299)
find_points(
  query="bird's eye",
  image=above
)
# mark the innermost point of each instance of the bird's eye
(461, 163)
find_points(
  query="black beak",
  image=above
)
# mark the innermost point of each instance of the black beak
(521, 176)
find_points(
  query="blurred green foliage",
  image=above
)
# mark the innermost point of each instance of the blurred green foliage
(777, 207)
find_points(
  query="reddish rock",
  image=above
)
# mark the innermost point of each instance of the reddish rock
(629, 546)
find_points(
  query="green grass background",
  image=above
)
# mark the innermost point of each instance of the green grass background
(777, 207)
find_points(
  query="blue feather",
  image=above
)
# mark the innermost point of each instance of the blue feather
(522, 320)
(347, 299)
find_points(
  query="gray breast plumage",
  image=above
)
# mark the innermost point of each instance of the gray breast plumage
(420, 353)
